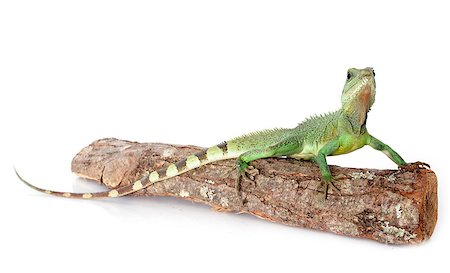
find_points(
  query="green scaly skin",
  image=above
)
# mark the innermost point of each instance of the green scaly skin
(335, 133)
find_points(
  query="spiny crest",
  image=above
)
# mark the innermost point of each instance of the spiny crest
(264, 132)
(257, 139)
(317, 127)
(317, 117)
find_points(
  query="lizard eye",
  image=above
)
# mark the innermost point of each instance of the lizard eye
(349, 76)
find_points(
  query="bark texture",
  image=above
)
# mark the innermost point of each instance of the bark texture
(389, 206)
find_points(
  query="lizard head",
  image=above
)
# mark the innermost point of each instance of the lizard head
(359, 93)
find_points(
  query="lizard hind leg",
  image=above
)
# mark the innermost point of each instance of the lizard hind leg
(242, 163)
(285, 147)
(241, 166)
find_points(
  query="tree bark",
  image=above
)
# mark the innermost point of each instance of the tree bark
(389, 206)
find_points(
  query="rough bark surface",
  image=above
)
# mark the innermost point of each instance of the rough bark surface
(389, 206)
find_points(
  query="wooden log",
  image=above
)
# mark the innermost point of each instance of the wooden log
(389, 206)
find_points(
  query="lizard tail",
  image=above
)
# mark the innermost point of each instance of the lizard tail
(214, 153)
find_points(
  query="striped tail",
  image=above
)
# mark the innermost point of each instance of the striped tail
(212, 154)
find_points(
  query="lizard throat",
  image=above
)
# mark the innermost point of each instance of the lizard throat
(357, 108)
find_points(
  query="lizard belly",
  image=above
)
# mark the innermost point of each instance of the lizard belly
(350, 143)
(302, 156)
(347, 144)
(308, 152)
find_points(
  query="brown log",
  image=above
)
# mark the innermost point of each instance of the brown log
(389, 206)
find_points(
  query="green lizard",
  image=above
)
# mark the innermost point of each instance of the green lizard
(335, 133)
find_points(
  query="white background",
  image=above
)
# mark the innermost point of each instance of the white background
(200, 72)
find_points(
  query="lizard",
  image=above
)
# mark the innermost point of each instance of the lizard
(334, 133)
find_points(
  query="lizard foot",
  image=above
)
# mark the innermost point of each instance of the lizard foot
(329, 183)
(415, 166)
(237, 187)
(251, 172)
(241, 168)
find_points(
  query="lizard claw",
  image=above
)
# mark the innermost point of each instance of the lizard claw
(241, 168)
(329, 183)
(237, 188)
(415, 166)
(251, 172)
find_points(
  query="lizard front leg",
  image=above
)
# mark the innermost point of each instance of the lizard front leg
(394, 156)
(380, 146)
(285, 147)
(321, 160)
